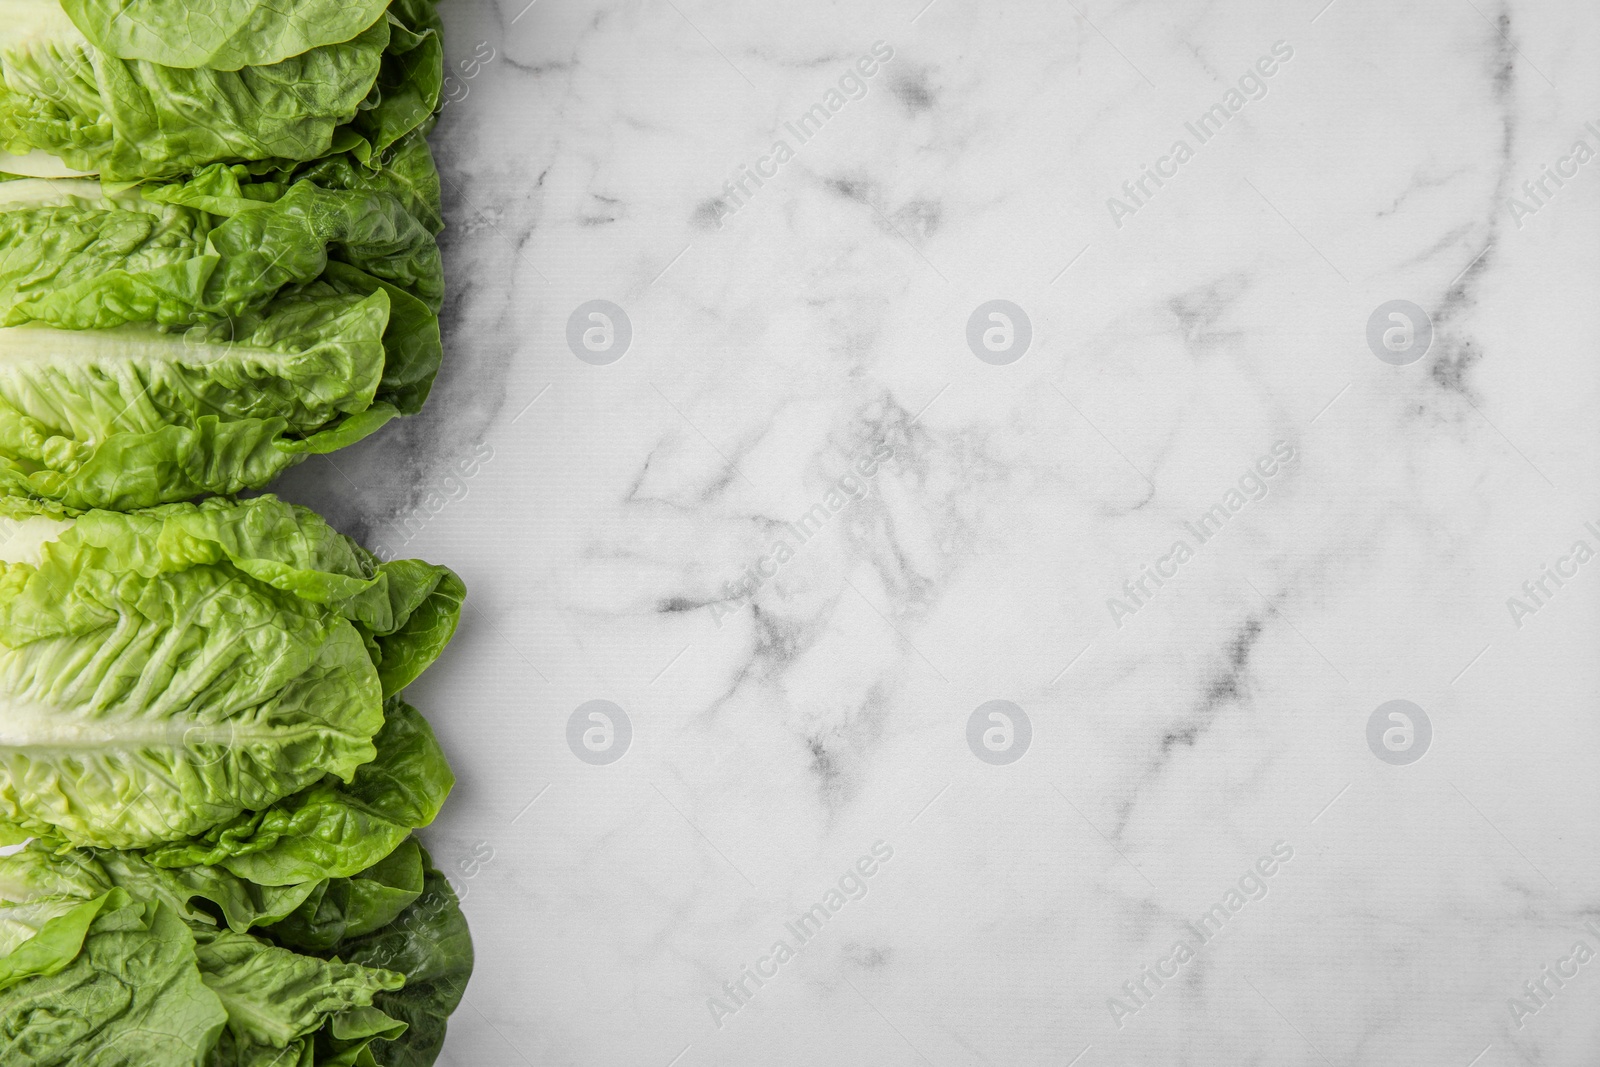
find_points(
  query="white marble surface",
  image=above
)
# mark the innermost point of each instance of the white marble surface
(775, 740)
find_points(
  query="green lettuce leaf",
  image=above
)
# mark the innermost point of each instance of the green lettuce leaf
(292, 229)
(430, 944)
(429, 599)
(76, 256)
(333, 829)
(350, 907)
(203, 336)
(166, 670)
(329, 862)
(411, 343)
(224, 34)
(405, 171)
(49, 878)
(273, 995)
(410, 78)
(133, 416)
(136, 415)
(44, 872)
(131, 997)
(68, 106)
(274, 998)
(280, 1006)
(40, 937)
(198, 893)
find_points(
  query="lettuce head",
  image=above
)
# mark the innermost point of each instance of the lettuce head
(134, 89)
(163, 671)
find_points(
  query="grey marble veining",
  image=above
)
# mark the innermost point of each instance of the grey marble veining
(807, 527)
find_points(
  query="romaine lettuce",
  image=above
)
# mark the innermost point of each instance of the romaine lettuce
(79, 93)
(171, 339)
(44, 870)
(40, 937)
(225, 34)
(276, 997)
(351, 907)
(163, 671)
(76, 256)
(332, 861)
(320, 986)
(366, 972)
(405, 171)
(333, 829)
(138, 415)
(429, 943)
(132, 996)
(121, 979)
(217, 257)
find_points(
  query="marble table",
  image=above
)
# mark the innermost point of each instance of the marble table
(1075, 520)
